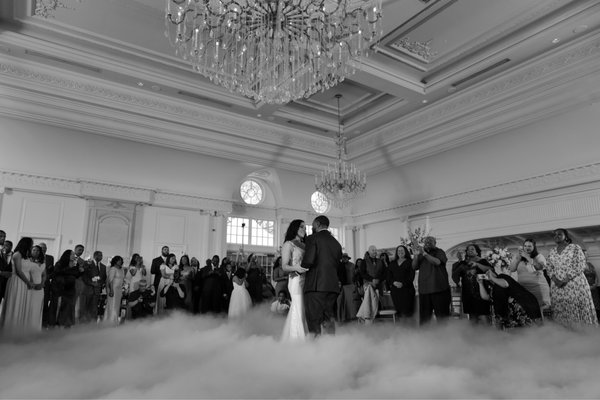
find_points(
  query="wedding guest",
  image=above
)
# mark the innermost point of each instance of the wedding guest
(240, 297)
(49, 262)
(94, 278)
(141, 301)
(384, 258)
(35, 295)
(6, 266)
(135, 273)
(529, 265)
(174, 292)
(167, 271)
(347, 270)
(228, 274)
(213, 287)
(400, 277)
(434, 288)
(572, 304)
(373, 271)
(513, 305)
(155, 266)
(592, 278)
(14, 308)
(280, 277)
(281, 306)
(255, 279)
(66, 272)
(114, 286)
(186, 278)
(464, 274)
(196, 285)
(79, 285)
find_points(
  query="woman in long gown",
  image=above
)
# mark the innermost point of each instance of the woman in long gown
(530, 265)
(114, 288)
(292, 252)
(167, 272)
(14, 318)
(572, 304)
(36, 272)
(240, 301)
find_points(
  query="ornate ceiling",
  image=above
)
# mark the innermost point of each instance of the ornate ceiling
(446, 72)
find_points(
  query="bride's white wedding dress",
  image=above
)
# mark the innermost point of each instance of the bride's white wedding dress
(295, 328)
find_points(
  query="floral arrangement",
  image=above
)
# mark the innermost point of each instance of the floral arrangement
(415, 239)
(500, 259)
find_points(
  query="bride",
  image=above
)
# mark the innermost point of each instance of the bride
(292, 252)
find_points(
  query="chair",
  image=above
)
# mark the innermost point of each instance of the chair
(388, 313)
(387, 310)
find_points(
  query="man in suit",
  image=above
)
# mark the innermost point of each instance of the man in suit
(213, 287)
(5, 264)
(49, 261)
(321, 286)
(155, 266)
(94, 278)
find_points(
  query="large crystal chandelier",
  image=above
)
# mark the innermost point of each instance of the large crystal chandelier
(273, 50)
(341, 182)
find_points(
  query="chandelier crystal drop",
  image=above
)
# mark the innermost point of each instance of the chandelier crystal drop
(273, 51)
(341, 182)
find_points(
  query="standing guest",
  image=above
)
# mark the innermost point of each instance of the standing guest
(240, 298)
(141, 301)
(174, 292)
(514, 306)
(384, 258)
(228, 274)
(372, 271)
(434, 288)
(213, 288)
(94, 278)
(530, 265)
(592, 278)
(14, 309)
(255, 279)
(79, 285)
(155, 266)
(186, 278)
(347, 270)
(572, 304)
(6, 267)
(196, 285)
(464, 274)
(135, 273)
(400, 277)
(280, 277)
(114, 286)
(49, 262)
(66, 272)
(167, 271)
(35, 296)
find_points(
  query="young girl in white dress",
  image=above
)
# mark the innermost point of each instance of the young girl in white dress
(292, 252)
(35, 296)
(167, 271)
(240, 301)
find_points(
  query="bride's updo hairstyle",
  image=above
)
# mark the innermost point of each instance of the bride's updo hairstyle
(292, 230)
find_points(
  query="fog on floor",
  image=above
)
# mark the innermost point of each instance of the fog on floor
(185, 356)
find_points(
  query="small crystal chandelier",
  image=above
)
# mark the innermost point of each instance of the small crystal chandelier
(342, 182)
(274, 51)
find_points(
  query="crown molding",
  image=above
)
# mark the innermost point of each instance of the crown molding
(89, 189)
(561, 182)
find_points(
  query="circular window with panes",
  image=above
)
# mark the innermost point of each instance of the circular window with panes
(251, 192)
(319, 202)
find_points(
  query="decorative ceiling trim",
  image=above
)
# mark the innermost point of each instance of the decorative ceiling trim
(586, 177)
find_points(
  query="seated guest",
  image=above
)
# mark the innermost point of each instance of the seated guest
(513, 305)
(141, 301)
(174, 293)
(281, 306)
(372, 269)
(530, 266)
(464, 274)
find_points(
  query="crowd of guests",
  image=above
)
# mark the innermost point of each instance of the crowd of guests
(37, 293)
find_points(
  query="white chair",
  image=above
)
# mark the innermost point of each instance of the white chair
(388, 313)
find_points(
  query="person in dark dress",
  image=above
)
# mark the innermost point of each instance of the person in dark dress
(464, 274)
(66, 273)
(513, 306)
(213, 289)
(174, 293)
(255, 280)
(400, 277)
(5, 266)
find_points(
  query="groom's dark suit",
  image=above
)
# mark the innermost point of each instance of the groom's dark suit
(322, 257)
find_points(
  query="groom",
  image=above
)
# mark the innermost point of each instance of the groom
(321, 286)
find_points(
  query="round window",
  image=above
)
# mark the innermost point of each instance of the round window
(251, 192)
(319, 202)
